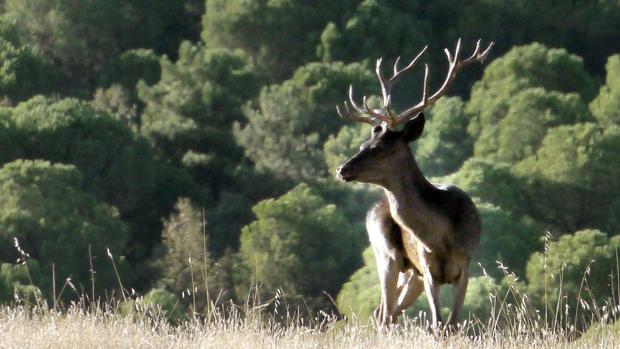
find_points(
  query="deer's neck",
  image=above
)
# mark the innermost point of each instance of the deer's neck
(406, 190)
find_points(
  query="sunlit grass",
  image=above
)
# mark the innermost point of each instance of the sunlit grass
(133, 321)
(23, 327)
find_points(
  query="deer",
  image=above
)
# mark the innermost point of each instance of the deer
(423, 235)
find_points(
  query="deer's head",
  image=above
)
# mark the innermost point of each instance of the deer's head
(388, 147)
(384, 150)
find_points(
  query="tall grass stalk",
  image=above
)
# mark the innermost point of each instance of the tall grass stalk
(272, 323)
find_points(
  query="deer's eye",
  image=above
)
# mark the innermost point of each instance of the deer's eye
(377, 129)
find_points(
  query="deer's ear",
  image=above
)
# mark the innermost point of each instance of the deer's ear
(414, 127)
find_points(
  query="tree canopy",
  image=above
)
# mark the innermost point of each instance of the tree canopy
(81, 37)
(296, 232)
(293, 120)
(445, 144)
(605, 106)
(24, 72)
(189, 113)
(45, 210)
(585, 255)
(114, 111)
(256, 26)
(498, 95)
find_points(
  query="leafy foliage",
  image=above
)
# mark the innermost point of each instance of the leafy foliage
(445, 144)
(190, 111)
(525, 67)
(361, 294)
(8, 138)
(299, 244)
(24, 72)
(293, 120)
(15, 281)
(606, 106)
(492, 182)
(81, 37)
(165, 304)
(485, 295)
(156, 304)
(563, 16)
(189, 115)
(230, 103)
(188, 268)
(57, 223)
(257, 27)
(505, 239)
(129, 68)
(586, 253)
(374, 29)
(572, 177)
(118, 167)
(531, 113)
(185, 261)
(116, 101)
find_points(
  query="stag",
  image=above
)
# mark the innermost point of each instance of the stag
(422, 235)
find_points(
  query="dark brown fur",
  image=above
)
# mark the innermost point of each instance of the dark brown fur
(423, 235)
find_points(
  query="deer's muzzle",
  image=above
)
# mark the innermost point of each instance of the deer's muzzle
(344, 173)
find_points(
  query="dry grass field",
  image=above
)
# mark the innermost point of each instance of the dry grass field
(136, 322)
(22, 327)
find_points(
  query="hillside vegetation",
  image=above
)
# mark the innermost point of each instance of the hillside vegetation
(185, 151)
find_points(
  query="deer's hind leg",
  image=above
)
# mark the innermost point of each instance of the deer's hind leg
(460, 288)
(431, 288)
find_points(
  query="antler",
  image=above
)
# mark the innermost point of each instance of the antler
(385, 114)
(357, 114)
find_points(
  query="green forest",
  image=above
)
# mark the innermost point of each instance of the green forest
(186, 149)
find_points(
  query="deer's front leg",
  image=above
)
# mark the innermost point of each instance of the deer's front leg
(388, 270)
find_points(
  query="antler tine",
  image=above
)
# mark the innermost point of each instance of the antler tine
(483, 56)
(352, 101)
(425, 88)
(454, 65)
(385, 92)
(386, 86)
(385, 114)
(457, 50)
(476, 56)
(357, 114)
(398, 73)
(377, 115)
(340, 113)
(396, 65)
(350, 116)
